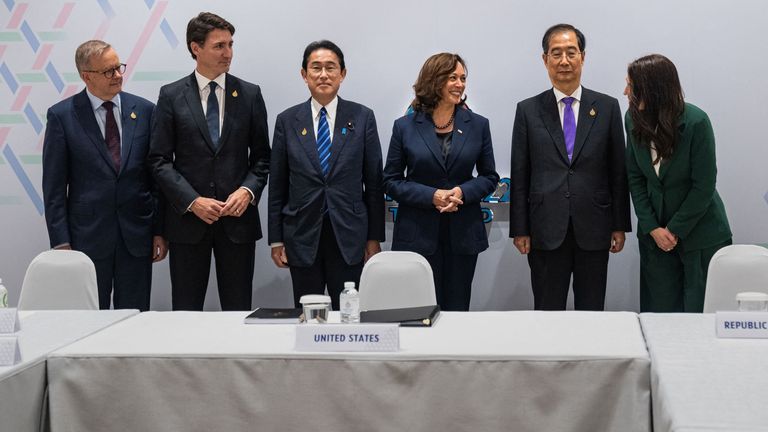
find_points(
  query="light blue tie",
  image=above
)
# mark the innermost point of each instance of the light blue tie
(323, 141)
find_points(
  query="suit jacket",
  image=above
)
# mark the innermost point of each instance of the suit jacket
(416, 168)
(186, 165)
(352, 192)
(548, 191)
(87, 201)
(683, 196)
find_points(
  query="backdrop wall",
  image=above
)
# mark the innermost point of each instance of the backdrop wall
(716, 46)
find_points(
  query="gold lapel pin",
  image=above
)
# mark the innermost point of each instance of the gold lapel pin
(133, 115)
(304, 131)
(592, 112)
(234, 93)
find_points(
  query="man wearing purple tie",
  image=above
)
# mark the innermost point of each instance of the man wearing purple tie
(569, 198)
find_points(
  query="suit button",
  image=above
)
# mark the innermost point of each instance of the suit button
(567, 194)
(211, 184)
(570, 172)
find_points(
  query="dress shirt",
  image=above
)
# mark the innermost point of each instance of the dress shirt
(205, 89)
(330, 115)
(101, 113)
(576, 95)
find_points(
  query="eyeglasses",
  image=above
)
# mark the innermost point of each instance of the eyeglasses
(330, 69)
(110, 73)
(558, 55)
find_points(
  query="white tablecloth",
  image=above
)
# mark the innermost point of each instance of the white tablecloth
(701, 383)
(23, 386)
(522, 371)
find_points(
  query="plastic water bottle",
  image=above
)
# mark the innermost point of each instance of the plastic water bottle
(3, 295)
(349, 301)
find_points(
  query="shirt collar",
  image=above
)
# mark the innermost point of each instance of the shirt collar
(202, 82)
(560, 95)
(330, 108)
(96, 102)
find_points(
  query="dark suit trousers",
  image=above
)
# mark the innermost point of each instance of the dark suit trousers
(130, 276)
(551, 276)
(329, 269)
(190, 266)
(453, 272)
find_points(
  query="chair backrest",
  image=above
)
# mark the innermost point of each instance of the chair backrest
(393, 280)
(60, 279)
(734, 269)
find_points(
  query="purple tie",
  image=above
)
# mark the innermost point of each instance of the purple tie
(112, 134)
(569, 126)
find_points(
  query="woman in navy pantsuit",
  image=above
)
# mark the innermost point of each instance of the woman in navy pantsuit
(429, 171)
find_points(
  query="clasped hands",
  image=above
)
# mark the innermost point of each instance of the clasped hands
(209, 210)
(664, 239)
(447, 201)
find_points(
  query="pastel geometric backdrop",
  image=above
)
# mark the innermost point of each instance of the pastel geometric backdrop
(716, 46)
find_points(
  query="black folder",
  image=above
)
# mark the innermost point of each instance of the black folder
(274, 316)
(421, 316)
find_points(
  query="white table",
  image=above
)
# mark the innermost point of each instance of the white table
(23, 386)
(522, 371)
(701, 383)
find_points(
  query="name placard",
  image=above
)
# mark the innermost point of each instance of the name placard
(347, 337)
(9, 320)
(9, 350)
(732, 324)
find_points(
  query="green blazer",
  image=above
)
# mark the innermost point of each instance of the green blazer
(682, 197)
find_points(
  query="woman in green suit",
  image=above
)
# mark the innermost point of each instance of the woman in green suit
(671, 168)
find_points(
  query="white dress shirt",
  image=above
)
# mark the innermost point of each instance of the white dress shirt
(575, 104)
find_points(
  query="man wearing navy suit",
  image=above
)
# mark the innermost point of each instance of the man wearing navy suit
(569, 195)
(210, 156)
(326, 203)
(96, 186)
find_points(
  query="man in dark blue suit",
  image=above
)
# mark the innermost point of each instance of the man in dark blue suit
(569, 193)
(96, 186)
(326, 203)
(210, 156)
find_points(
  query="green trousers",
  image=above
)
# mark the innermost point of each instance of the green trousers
(674, 281)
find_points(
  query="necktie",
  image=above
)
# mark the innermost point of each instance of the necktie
(323, 141)
(569, 126)
(112, 135)
(212, 114)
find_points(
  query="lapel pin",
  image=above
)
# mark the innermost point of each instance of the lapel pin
(592, 112)
(344, 131)
(459, 131)
(303, 131)
(350, 126)
(133, 115)
(234, 93)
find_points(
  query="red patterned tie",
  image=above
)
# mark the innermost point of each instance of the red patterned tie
(112, 135)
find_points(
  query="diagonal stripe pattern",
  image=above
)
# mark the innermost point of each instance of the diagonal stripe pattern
(324, 141)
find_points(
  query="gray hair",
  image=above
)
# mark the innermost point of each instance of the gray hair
(87, 50)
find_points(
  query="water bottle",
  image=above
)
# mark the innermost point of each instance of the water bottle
(349, 301)
(3, 295)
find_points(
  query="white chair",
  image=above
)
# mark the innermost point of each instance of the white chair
(393, 280)
(60, 279)
(734, 269)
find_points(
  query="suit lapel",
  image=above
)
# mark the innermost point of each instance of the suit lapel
(427, 132)
(87, 120)
(128, 121)
(550, 115)
(195, 105)
(232, 103)
(304, 128)
(459, 136)
(340, 130)
(587, 115)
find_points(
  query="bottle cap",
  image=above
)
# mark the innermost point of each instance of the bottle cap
(349, 284)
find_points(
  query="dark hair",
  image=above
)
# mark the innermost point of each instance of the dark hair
(322, 44)
(654, 84)
(199, 27)
(432, 78)
(557, 28)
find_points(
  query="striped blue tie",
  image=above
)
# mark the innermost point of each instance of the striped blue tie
(323, 141)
